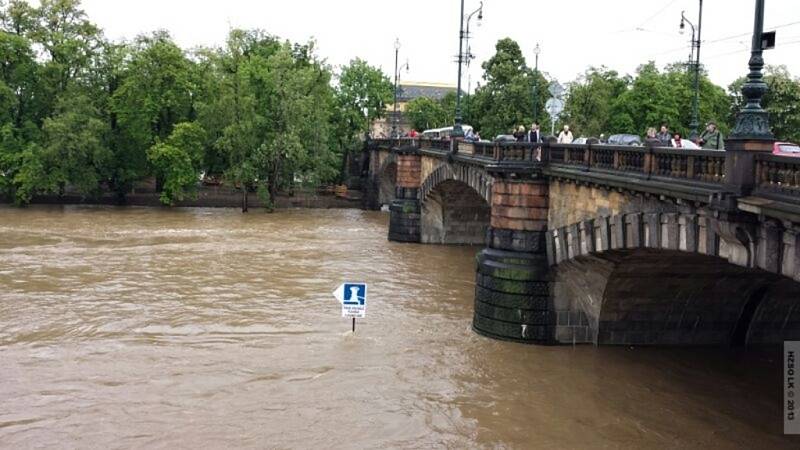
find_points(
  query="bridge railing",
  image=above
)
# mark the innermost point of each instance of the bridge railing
(388, 144)
(778, 175)
(691, 165)
(706, 166)
(436, 144)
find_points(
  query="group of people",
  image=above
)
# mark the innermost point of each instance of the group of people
(709, 139)
(535, 135)
(531, 135)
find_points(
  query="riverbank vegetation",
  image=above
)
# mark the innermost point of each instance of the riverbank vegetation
(83, 113)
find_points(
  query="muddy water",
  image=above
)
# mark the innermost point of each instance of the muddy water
(170, 329)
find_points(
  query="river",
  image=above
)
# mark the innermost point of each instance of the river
(190, 328)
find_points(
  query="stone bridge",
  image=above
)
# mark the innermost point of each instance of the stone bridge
(607, 244)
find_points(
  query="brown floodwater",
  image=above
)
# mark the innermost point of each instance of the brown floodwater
(200, 328)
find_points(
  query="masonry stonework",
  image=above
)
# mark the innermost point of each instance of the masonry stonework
(404, 221)
(512, 294)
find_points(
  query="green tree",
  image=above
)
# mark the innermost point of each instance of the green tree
(155, 92)
(20, 111)
(75, 150)
(361, 96)
(505, 101)
(588, 108)
(425, 113)
(657, 97)
(178, 161)
(782, 101)
(69, 42)
(269, 113)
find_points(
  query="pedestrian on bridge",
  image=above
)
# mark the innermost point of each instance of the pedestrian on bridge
(676, 141)
(519, 135)
(651, 135)
(534, 135)
(711, 138)
(565, 137)
(664, 137)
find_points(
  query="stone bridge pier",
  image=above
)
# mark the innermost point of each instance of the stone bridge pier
(513, 282)
(404, 222)
(607, 245)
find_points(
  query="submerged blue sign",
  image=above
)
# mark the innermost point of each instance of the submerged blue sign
(353, 297)
(355, 294)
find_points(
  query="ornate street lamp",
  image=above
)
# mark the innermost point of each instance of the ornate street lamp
(536, 51)
(395, 117)
(694, 61)
(458, 131)
(752, 123)
(751, 135)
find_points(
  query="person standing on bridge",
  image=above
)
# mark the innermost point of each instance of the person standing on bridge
(677, 141)
(469, 136)
(651, 135)
(663, 136)
(711, 138)
(565, 137)
(533, 135)
(519, 135)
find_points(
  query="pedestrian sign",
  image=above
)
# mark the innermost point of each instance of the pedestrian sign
(353, 297)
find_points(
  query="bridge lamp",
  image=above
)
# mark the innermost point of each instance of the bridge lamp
(536, 51)
(458, 131)
(396, 76)
(694, 63)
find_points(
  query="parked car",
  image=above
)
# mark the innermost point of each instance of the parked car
(505, 138)
(580, 141)
(624, 139)
(689, 145)
(786, 149)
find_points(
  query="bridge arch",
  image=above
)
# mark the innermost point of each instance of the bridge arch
(668, 279)
(455, 205)
(387, 179)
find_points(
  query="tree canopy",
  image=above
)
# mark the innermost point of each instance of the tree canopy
(80, 113)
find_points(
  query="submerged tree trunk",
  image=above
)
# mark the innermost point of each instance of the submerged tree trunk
(244, 198)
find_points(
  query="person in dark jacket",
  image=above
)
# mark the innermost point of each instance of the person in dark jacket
(664, 136)
(519, 135)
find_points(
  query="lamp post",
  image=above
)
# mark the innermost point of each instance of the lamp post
(395, 116)
(396, 75)
(536, 51)
(751, 135)
(694, 61)
(752, 123)
(458, 131)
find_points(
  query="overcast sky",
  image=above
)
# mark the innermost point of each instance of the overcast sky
(620, 34)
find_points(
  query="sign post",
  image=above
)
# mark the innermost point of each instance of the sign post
(353, 297)
(554, 107)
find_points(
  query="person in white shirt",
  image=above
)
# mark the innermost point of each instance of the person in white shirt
(565, 137)
(534, 135)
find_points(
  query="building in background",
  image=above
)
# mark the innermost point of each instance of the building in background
(407, 91)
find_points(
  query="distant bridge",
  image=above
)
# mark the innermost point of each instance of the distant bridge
(607, 244)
